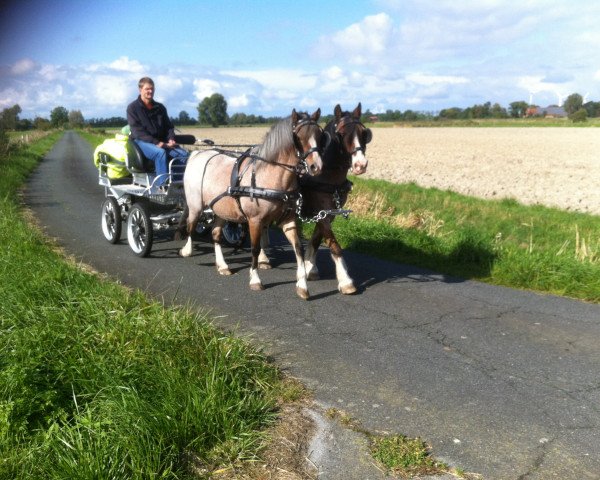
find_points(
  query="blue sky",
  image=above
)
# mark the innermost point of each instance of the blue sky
(269, 56)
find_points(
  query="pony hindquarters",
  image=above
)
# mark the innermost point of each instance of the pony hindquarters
(206, 175)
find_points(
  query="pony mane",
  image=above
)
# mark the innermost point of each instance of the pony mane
(277, 140)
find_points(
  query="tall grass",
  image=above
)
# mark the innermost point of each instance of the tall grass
(500, 242)
(98, 382)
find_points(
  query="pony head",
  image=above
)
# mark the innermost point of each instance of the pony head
(353, 136)
(308, 138)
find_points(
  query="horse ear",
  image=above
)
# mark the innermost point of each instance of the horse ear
(315, 116)
(357, 111)
(325, 141)
(337, 111)
(294, 117)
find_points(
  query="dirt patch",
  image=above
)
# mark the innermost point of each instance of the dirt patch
(557, 167)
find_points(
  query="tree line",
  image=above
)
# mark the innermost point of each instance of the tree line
(212, 111)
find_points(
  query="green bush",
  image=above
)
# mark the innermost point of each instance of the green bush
(579, 116)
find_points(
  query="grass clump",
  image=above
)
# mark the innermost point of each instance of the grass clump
(96, 381)
(405, 456)
(499, 242)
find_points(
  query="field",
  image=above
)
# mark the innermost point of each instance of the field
(557, 167)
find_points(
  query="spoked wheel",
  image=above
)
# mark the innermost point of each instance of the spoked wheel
(111, 220)
(234, 234)
(139, 231)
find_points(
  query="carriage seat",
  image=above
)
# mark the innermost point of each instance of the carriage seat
(137, 161)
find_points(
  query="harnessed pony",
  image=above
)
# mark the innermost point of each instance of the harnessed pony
(328, 191)
(259, 187)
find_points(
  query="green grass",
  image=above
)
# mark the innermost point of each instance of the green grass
(499, 242)
(96, 381)
(405, 456)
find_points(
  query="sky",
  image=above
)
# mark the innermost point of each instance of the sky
(267, 57)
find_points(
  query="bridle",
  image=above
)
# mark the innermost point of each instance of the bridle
(339, 127)
(300, 153)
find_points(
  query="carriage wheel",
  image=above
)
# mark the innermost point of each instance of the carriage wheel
(234, 234)
(139, 231)
(111, 220)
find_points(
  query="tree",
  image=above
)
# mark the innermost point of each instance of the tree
(213, 110)
(40, 123)
(573, 103)
(498, 111)
(518, 109)
(76, 119)
(451, 113)
(579, 116)
(59, 117)
(592, 109)
(9, 118)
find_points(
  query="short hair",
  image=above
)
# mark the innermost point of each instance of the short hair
(145, 80)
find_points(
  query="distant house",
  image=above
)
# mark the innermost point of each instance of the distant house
(551, 111)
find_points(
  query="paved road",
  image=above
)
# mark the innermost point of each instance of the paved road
(501, 382)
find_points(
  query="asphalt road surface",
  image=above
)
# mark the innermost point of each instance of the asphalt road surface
(501, 382)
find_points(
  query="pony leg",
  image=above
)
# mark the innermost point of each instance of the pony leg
(310, 255)
(220, 262)
(255, 249)
(192, 220)
(345, 282)
(291, 232)
(263, 260)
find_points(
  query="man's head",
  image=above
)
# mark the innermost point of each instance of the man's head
(146, 86)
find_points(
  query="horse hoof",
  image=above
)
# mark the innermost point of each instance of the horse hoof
(224, 271)
(312, 276)
(348, 289)
(264, 265)
(257, 287)
(302, 293)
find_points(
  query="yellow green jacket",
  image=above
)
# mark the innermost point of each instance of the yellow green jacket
(113, 153)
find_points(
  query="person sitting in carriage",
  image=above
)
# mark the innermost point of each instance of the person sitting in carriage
(153, 131)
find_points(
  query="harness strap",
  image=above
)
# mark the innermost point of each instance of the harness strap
(266, 193)
(236, 191)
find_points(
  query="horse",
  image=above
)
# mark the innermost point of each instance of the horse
(259, 187)
(328, 191)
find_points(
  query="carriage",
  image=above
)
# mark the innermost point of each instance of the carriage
(133, 198)
(266, 184)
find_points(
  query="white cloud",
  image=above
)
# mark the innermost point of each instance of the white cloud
(239, 101)
(205, 87)
(277, 79)
(23, 66)
(125, 65)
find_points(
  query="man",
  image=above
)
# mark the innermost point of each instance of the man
(153, 131)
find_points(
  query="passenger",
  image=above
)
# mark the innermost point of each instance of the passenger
(152, 129)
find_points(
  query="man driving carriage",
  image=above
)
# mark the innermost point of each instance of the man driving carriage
(153, 131)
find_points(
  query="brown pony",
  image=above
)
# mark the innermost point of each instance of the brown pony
(328, 191)
(259, 187)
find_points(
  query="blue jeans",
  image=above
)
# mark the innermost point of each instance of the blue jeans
(160, 157)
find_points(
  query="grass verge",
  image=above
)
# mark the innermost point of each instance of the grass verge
(96, 381)
(499, 242)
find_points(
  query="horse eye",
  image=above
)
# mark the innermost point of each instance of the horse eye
(367, 136)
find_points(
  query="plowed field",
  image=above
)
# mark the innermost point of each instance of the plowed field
(558, 167)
